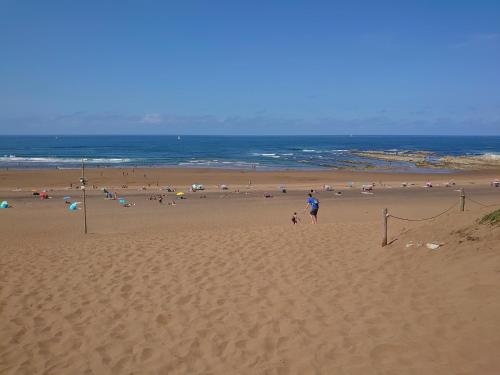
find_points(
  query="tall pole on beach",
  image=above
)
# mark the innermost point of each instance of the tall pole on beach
(83, 180)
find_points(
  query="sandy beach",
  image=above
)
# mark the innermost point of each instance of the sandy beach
(225, 284)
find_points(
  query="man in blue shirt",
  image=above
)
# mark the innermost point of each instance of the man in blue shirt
(313, 203)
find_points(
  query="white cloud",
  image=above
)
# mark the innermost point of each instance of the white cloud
(488, 36)
(152, 118)
(478, 39)
(384, 123)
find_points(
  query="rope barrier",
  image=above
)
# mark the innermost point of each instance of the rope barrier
(424, 219)
(461, 203)
(482, 204)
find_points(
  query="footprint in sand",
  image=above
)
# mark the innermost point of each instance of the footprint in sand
(126, 289)
(161, 319)
(146, 354)
(254, 331)
(184, 299)
(385, 353)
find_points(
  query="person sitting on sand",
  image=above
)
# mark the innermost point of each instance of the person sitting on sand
(295, 218)
(313, 203)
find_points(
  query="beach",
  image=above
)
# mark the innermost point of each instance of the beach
(250, 188)
(223, 283)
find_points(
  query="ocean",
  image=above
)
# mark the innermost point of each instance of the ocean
(235, 152)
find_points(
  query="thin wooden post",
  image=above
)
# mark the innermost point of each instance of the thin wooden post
(84, 211)
(384, 240)
(462, 200)
(84, 182)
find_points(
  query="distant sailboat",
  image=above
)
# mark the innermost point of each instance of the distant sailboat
(178, 137)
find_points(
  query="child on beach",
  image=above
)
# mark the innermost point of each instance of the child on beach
(295, 218)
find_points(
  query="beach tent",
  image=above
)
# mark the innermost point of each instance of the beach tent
(196, 187)
(4, 204)
(74, 206)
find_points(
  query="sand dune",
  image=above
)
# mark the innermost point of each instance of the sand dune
(233, 288)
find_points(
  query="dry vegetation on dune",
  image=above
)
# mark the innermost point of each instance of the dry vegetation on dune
(491, 218)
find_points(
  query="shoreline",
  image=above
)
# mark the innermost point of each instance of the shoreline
(259, 169)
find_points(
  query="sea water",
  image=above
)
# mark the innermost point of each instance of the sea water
(234, 152)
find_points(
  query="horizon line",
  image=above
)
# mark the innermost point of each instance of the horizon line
(246, 135)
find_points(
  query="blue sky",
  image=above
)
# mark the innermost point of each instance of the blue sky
(249, 67)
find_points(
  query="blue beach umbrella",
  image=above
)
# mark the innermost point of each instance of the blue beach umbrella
(4, 204)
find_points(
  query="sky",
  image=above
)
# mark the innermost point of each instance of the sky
(250, 67)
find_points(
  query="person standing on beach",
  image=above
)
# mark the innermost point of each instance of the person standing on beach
(313, 204)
